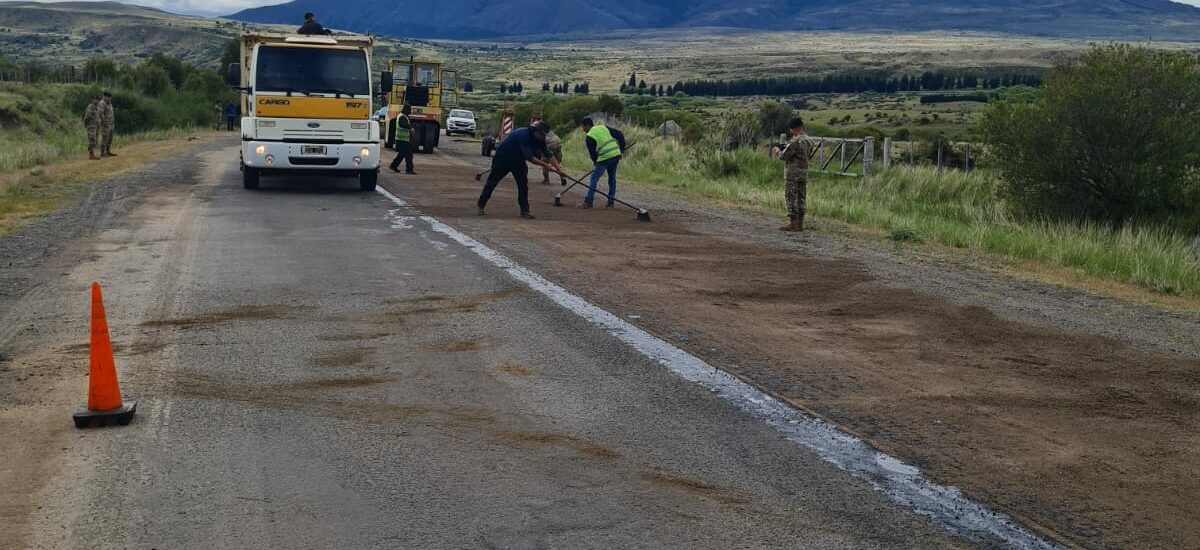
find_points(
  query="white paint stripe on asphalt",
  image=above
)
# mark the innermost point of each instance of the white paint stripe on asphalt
(945, 505)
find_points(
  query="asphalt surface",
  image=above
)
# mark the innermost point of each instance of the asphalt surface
(316, 367)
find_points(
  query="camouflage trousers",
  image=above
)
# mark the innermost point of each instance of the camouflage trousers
(106, 139)
(93, 135)
(797, 189)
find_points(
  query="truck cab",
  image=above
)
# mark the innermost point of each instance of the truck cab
(308, 107)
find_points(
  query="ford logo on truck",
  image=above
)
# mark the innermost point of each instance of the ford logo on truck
(314, 125)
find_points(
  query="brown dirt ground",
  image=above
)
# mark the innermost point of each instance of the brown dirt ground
(1090, 439)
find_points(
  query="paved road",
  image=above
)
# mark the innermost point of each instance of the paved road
(317, 368)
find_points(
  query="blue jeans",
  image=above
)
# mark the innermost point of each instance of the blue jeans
(610, 166)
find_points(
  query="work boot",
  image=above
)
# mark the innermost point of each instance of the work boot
(610, 204)
(410, 172)
(798, 223)
(92, 155)
(527, 215)
(394, 169)
(585, 205)
(793, 224)
(481, 212)
(546, 181)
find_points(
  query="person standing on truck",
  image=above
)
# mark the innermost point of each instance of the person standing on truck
(108, 124)
(522, 145)
(796, 155)
(311, 26)
(91, 123)
(403, 142)
(605, 145)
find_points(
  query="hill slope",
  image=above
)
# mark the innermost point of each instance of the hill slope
(74, 31)
(1123, 19)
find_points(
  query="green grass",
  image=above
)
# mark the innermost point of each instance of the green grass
(947, 208)
(37, 126)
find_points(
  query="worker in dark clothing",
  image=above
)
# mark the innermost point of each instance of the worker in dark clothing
(231, 116)
(403, 142)
(521, 146)
(605, 145)
(311, 26)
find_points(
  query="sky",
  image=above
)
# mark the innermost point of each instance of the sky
(224, 7)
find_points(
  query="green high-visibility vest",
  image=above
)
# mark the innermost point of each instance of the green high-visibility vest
(606, 145)
(402, 134)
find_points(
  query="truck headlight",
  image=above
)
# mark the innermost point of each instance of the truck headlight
(358, 125)
(364, 153)
(266, 124)
(260, 150)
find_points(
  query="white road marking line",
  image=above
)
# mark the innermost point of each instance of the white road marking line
(945, 505)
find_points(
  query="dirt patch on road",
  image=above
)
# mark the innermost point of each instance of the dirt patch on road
(1082, 426)
(514, 370)
(241, 313)
(585, 448)
(345, 358)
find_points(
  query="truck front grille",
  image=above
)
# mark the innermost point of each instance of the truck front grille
(314, 136)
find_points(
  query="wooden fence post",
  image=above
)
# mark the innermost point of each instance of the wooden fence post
(842, 161)
(887, 153)
(868, 156)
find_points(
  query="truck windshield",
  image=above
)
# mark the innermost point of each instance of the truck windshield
(312, 70)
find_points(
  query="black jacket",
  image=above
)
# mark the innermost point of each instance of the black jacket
(312, 27)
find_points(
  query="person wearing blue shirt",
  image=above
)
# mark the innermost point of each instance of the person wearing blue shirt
(520, 146)
(231, 115)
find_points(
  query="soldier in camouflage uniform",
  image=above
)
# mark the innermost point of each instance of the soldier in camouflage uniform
(796, 155)
(91, 123)
(107, 124)
(554, 144)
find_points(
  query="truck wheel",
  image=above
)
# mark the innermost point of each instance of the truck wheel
(428, 138)
(249, 178)
(367, 179)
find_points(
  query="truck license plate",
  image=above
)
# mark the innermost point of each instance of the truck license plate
(312, 150)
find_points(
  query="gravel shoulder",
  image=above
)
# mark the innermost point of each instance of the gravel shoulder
(1077, 414)
(45, 269)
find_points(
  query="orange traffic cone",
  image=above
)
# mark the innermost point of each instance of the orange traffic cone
(104, 395)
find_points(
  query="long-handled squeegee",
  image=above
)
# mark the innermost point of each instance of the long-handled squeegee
(558, 197)
(642, 214)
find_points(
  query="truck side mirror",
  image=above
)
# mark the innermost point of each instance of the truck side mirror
(233, 75)
(385, 82)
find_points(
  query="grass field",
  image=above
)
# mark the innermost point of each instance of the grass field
(922, 205)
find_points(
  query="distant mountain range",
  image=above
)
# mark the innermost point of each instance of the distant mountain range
(466, 19)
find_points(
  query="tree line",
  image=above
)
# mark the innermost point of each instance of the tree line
(846, 82)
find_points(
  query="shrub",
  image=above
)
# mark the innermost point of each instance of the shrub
(1109, 137)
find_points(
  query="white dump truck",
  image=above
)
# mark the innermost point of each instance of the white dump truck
(307, 107)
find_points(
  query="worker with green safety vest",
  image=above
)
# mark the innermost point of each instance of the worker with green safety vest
(605, 146)
(403, 142)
